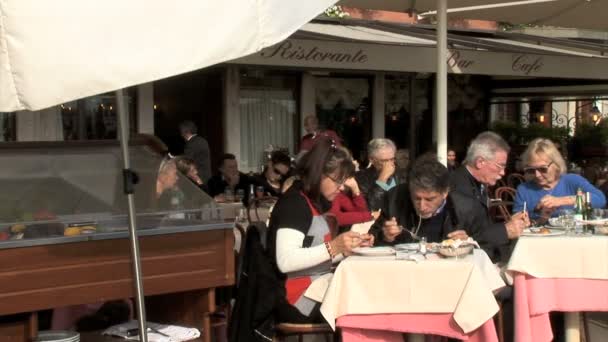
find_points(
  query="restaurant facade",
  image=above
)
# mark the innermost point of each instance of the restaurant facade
(362, 79)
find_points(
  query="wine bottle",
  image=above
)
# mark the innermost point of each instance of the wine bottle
(579, 207)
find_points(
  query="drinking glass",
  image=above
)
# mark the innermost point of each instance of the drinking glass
(240, 195)
(599, 214)
(228, 195)
(566, 218)
(259, 191)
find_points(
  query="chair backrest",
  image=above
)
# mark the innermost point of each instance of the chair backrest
(505, 193)
(261, 229)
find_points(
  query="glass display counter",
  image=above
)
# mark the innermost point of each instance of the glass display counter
(64, 233)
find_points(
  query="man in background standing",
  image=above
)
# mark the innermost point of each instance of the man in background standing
(196, 148)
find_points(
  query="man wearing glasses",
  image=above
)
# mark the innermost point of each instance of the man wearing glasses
(483, 166)
(376, 180)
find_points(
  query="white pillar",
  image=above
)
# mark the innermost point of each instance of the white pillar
(145, 108)
(441, 123)
(307, 98)
(378, 106)
(232, 120)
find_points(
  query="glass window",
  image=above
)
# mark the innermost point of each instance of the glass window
(268, 105)
(399, 89)
(343, 105)
(95, 117)
(7, 127)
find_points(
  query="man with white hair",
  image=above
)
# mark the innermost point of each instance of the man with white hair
(379, 178)
(483, 166)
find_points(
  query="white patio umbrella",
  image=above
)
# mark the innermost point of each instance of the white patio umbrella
(57, 51)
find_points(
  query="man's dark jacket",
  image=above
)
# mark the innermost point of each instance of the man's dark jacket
(460, 213)
(374, 194)
(197, 148)
(462, 182)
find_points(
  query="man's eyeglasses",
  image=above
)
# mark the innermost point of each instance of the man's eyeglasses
(499, 166)
(541, 169)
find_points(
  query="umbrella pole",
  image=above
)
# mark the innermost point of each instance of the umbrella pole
(128, 184)
(441, 124)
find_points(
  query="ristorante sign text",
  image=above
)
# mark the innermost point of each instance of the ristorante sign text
(288, 51)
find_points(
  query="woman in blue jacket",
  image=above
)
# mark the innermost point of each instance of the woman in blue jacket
(550, 187)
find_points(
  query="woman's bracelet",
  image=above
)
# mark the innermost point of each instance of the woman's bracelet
(329, 250)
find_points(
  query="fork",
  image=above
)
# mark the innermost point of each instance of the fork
(412, 234)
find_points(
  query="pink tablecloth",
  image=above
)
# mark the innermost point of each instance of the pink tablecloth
(536, 297)
(389, 327)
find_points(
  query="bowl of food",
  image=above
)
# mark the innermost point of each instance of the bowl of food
(455, 248)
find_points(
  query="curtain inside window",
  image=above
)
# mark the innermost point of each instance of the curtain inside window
(267, 118)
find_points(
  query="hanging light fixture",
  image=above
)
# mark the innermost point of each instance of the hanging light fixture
(541, 118)
(596, 115)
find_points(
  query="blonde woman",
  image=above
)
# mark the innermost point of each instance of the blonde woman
(550, 187)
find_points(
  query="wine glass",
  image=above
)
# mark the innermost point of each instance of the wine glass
(240, 195)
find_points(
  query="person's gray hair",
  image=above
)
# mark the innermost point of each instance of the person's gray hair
(485, 146)
(379, 143)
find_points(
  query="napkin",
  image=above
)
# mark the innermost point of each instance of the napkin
(362, 228)
(316, 290)
(174, 333)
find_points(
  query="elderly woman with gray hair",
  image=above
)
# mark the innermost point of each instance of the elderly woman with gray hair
(550, 187)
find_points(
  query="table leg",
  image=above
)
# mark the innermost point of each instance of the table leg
(572, 325)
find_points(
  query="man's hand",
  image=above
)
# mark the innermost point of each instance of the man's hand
(388, 169)
(391, 230)
(458, 235)
(515, 226)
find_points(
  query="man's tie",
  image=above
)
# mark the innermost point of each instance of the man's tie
(484, 195)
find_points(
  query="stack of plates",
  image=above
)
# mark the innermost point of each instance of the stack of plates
(57, 336)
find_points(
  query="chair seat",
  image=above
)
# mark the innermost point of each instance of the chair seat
(308, 328)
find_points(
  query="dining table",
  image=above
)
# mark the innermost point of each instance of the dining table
(557, 272)
(379, 298)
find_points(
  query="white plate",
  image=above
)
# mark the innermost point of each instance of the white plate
(594, 222)
(407, 247)
(58, 336)
(374, 251)
(533, 231)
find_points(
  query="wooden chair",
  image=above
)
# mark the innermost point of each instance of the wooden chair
(506, 195)
(221, 317)
(255, 212)
(285, 330)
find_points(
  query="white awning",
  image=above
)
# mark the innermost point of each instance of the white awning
(366, 45)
